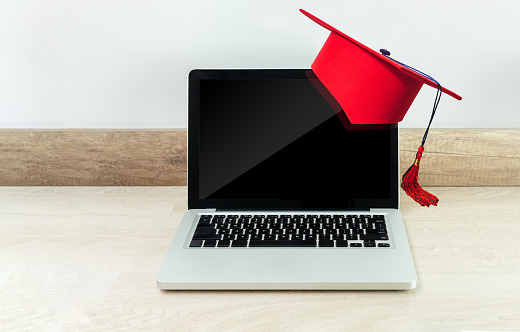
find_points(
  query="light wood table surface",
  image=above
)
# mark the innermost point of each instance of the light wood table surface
(86, 258)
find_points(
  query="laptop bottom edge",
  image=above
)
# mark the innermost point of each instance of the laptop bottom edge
(288, 286)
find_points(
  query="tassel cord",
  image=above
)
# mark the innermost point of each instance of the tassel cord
(435, 104)
(410, 178)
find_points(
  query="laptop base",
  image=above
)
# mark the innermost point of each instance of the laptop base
(186, 268)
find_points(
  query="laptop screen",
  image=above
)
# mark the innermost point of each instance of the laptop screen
(276, 139)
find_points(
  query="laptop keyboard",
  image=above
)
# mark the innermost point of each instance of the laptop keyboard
(283, 230)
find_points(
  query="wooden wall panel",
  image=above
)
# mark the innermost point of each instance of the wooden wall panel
(453, 157)
(93, 157)
(458, 157)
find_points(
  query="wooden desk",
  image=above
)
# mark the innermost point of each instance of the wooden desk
(86, 258)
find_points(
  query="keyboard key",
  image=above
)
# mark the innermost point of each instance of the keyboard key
(204, 223)
(239, 243)
(383, 245)
(373, 237)
(210, 243)
(223, 243)
(352, 236)
(330, 231)
(326, 243)
(282, 243)
(206, 237)
(305, 231)
(376, 231)
(356, 244)
(195, 243)
(204, 230)
(380, 225)
(341, 243)
(369, 244)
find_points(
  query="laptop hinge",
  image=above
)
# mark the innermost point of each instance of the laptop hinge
(295, 209)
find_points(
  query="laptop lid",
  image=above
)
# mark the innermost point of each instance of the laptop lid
(276, 139)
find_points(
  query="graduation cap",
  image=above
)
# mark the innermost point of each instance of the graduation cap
(373, 88)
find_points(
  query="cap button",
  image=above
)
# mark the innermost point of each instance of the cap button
(384, 52)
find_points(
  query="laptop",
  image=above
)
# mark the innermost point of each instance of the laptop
(284, 192)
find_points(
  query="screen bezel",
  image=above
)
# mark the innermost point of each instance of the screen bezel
(195, 202)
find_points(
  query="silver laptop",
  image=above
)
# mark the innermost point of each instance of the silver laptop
(284, 192)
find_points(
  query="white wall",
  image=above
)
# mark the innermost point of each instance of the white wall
(123, 63)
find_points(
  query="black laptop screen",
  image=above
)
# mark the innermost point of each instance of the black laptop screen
(276, 139)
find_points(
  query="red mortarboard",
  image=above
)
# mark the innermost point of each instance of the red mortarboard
(370, 87)
(373, 88)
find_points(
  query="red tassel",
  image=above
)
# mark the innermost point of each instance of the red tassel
(412, 187)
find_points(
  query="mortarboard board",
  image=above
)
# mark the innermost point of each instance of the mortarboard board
(373, 88)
